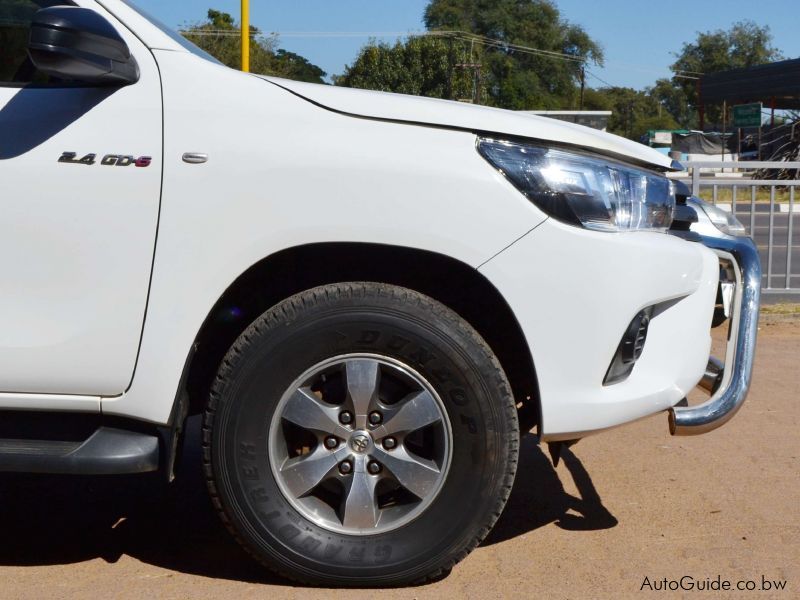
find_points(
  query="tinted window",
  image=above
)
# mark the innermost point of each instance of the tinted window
(174, 35)
(15, 25)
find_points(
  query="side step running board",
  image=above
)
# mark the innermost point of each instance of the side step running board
(107, 451)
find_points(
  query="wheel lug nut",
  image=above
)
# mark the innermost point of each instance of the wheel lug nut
(346, 467)
(375, 418)
(390, 443)
(374, 467)
(331, 442)
(345, 417)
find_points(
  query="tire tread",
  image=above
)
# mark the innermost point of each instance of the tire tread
(289, 310)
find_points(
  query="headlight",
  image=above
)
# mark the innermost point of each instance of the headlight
(583, 190)
(724, 221)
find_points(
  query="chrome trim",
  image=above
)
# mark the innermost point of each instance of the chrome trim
(727, 400)
(713, 375)
(195, 158)
(727, 288)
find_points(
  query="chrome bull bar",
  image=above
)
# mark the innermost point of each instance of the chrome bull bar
(728, 382)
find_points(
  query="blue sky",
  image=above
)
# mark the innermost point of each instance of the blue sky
(639, 36)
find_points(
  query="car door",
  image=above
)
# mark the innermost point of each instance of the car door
(80, 185)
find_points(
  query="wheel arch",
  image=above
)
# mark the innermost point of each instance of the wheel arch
(273, 279)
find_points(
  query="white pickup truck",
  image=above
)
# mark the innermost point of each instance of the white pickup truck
(359, 291)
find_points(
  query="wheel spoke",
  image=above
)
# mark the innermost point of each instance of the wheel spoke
(363, 378)
(360, 508)
(369, 421)
(418, 475)
(306, 411)
(304, 473)
(417, 411)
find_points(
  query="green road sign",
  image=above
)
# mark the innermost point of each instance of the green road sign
(747, 115)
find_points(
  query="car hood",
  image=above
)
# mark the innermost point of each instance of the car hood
(464, 116)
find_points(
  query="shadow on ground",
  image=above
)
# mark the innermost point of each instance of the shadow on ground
(50, 520)
(539, 497)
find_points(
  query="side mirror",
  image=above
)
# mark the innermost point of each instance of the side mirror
(78, 44)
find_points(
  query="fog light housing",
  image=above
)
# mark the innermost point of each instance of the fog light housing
(630, 348)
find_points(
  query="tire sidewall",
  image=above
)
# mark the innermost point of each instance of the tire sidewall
(277, 349)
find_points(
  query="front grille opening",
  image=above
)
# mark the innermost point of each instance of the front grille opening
(630, 348)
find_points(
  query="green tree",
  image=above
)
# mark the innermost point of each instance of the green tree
(218, 35)
(745, 44)
(483, 49)
(634, 112)
(294, 66)
(672, 98)
(518, 78)
(422, 66)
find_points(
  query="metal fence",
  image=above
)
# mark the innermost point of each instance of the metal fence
(766, 207)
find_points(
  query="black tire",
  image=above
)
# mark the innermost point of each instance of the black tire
(360, 318)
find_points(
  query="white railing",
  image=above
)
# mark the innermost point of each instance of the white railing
(755, 202)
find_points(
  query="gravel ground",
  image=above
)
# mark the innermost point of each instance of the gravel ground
(629, 504)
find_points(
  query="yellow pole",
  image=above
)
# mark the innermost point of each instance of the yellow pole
(246, 36)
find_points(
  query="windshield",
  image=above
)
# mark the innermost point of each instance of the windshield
(172, 33)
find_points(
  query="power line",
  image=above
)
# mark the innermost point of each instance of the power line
(444, 33)
(356, 34)
(305, 34)
(495, 43)
(644, 68)
(459, 35)
(454, 34)
(601, 80)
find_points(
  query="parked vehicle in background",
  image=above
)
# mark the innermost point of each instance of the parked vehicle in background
(357, 290)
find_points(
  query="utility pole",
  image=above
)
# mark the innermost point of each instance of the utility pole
(476, 79)
(583, 82)
(476, 67)
(724, 124)
(246, 36)
(701, 107)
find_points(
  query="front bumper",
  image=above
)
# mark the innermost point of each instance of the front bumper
(729, 382)
(574, 293)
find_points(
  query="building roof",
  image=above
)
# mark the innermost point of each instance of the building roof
(567, 113)
(778, 81)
